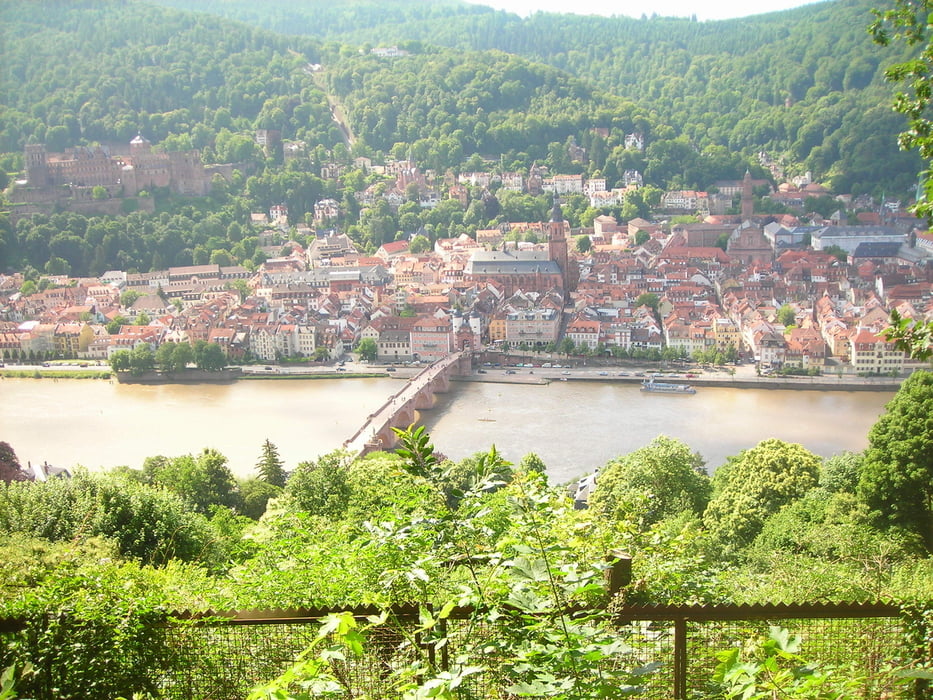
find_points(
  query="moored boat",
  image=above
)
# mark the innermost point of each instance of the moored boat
(650, 385)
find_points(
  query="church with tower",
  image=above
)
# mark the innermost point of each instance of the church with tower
(529, 271)
(748, 242)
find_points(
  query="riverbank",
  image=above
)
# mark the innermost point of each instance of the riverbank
(724, 380)
(188, 376)
(54, 374)
(320, 375)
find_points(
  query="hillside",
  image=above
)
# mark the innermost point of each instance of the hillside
(75, 73)
(806, 84)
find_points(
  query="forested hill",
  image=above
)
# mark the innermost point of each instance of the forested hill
(79, 72)
(102, 71)
(326, 18)
(806, 83)
(442, 106)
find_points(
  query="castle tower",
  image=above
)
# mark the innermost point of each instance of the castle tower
(140, 145)
(748, 200)
(37, 169)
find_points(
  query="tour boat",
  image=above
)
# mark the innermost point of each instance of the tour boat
(652, 386)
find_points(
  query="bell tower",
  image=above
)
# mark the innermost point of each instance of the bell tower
(748, 199)
(557, 247)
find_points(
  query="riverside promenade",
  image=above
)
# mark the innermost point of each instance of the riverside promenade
(742, 377)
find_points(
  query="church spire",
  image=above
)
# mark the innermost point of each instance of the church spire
(748, 199)
(557, 214)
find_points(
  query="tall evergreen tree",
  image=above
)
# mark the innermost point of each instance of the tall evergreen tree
(270, 466)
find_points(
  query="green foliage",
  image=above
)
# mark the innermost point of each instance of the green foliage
(897, 473)
(129, 297)
(419, 244)
(531, 462)
(203, 481)
(120, 361)
(174, 357)
(583, 244)
(416, 449)
(8, 680)
(209, 356)
(367, 349)
(836, 531)
(755, 484)
(92, 620)
(255, 495)
(340, 636)
(912, 336)
(773, 667)
(673, 561)
(786, 315)
(382, 488)
(481, 472)
(908, 22)
(137, 361)
(840, 473)
(145, 523)
(655, 482)
(320, 487)
(649, 299)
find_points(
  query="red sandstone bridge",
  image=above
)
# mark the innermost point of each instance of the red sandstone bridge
(399, 410)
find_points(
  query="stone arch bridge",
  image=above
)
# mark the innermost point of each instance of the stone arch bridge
(399, 409)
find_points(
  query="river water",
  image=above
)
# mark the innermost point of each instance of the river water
(573, 426)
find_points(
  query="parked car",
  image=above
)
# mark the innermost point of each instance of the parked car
(390, 369)
(510, 371)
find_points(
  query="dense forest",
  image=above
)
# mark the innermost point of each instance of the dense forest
(82, 72)
(806, 84)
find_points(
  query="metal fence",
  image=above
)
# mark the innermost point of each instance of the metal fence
(224, 657)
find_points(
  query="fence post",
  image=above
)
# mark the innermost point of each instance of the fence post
(619, 573)
(680, 658)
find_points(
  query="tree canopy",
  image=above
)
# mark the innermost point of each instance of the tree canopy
(657, 481)
(897, 474)
(755, 484)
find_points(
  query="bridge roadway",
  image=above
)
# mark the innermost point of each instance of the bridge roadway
(399, 410)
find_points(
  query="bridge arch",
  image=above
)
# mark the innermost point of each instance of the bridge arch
(398, 411)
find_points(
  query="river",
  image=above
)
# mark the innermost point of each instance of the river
(573, 426)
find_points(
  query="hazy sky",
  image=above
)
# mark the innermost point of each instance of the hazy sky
(719, 9)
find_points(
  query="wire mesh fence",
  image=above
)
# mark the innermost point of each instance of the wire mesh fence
(224, 658)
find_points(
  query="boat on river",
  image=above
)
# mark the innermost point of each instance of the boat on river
(655, 387)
